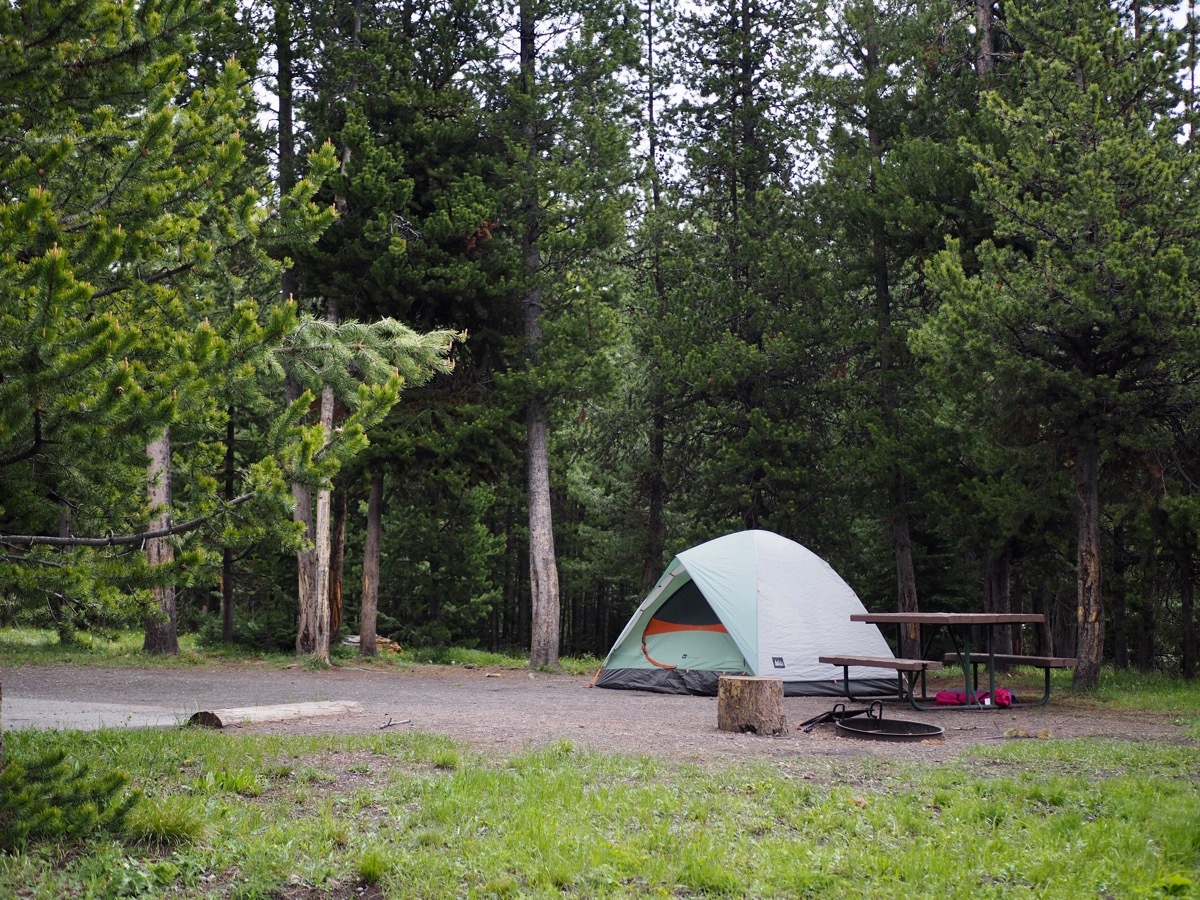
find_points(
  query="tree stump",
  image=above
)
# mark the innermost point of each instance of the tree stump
(749, 703)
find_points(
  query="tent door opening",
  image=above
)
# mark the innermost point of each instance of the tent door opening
(685, 633)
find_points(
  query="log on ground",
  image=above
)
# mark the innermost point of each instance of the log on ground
(285, 712)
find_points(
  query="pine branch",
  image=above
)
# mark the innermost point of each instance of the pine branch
(33, 449)
(124, 540)
(161, 275)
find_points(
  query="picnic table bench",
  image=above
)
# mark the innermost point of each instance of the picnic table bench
(1045, 663)
(912, 666)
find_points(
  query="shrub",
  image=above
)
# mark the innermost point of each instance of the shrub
(51, 797)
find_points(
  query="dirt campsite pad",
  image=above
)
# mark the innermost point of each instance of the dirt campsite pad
(502, 712)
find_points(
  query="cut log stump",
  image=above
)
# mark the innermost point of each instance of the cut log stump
(245, 715)
(750, 703)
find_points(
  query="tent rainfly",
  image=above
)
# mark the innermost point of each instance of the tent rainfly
(751, 603)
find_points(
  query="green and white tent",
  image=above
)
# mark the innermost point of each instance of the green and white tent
(751, 603)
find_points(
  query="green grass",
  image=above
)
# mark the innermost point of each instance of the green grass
(1078, 818)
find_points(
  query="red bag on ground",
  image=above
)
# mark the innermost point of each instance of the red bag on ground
(951, 698)
(959, 698)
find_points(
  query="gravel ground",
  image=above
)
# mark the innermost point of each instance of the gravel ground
(505, 711)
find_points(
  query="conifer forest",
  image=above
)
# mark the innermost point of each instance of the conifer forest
(453, 321)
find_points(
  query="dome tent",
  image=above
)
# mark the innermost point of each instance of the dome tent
(750, 603)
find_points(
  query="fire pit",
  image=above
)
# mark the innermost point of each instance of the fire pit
(875, 728)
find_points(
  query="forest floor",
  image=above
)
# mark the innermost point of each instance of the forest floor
(503, 711)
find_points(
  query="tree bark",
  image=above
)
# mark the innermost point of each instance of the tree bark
(898, 519)
(985, 22)
(1187, 613)
(312, 634)
(285, 78)
(998, 597)
(227, 569)
(656, 488)
(370, 585)
(543, 570)
(161, 628)
(337, 558)
(1090, 608)
(751, 703)
(58, 608)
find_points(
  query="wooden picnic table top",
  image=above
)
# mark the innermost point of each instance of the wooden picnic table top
(948, 618)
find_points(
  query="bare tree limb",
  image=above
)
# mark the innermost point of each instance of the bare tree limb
(121, 540)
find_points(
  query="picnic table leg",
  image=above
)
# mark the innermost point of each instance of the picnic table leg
(846, 682)
(1046, 695)
(991, 663)
(970, 673)
(912, 678)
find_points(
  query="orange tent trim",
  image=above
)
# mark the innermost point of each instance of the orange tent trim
(658, 626)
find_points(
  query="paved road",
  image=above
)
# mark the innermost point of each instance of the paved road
(501, 711)
(498, 710)
(80, 697)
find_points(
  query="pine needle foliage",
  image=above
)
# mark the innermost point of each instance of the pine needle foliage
(51, 797)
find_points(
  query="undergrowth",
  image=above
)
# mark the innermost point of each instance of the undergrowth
(33, 646)
(49, 796)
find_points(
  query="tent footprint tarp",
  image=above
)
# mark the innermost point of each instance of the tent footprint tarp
(754, 603)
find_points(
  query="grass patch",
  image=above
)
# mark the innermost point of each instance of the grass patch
(1050, 818)
(372, 865)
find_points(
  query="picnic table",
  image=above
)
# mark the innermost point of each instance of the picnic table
(960, 627)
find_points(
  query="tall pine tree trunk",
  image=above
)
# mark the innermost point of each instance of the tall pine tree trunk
(312, 635)
(1187, 614)
(285, 78)
(161, 634)
(898, 518)
(370, 583)
(58, 607)
(985, 26)
(227, 569)
(543, 569)
(998, 597)
(1090, 608)
(543, 566)
(656, 487)
(337, 558)
(897, 485)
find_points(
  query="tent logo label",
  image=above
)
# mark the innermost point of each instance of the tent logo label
(777, 662)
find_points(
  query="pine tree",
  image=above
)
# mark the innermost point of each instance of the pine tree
(564, 133)
(133, 271)
(728, 346)
(397, 89)
(897, 91)
(1081, 315)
